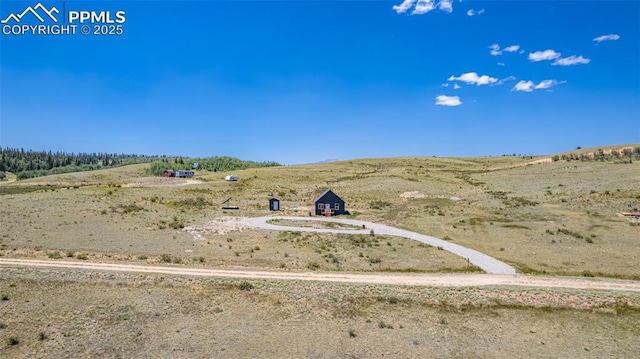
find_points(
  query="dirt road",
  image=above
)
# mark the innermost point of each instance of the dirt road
(436, 280)
(481, 260)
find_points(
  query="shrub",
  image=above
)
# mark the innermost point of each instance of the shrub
(82, 256)
(165, 258)
(244, 285)
(5, 297)
(176, 223)
(570, 233)
(352, 333)
(131, 208)
(313, 265)
(375, 260)
(142, 257)
(379, 204)
(55, 255)
(198, 203)
(587, 274)
(43, 336)
(13, 340)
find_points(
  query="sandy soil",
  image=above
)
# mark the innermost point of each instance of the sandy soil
(435, 280)
(413, 194)
(221, 225)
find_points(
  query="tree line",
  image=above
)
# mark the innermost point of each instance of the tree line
(213, 164)
(626, 154)
(28, 164)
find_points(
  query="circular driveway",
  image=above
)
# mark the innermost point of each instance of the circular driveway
(486, 263)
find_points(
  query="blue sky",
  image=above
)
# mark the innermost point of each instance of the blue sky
(305, 81)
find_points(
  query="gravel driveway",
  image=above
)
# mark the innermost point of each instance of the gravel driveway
(486, 263)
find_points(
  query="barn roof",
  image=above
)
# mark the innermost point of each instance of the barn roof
(324, 193)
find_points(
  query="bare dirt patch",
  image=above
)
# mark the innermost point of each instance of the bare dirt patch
(413, 194)
(220, 226)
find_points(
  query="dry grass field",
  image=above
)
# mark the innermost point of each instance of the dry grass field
(60, 314)
(550, 217)
(557, 218)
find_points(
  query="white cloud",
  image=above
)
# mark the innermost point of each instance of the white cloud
(456, 86)
(495, 50)
(444, 100)
(545, 84)
(402, 8)
(446, 6)
(423, 7)
(571, 60)
(508, 78)
(611, 37)
(522, 85)
(473, 78)
(472, 12)
(529, 86)
(543, 55)
(445, 85)
(512, 48)
(500, 63)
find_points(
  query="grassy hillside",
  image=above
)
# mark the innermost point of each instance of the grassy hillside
(542, 216)
(549, 217)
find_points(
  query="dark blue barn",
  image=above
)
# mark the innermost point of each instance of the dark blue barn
(329, 204)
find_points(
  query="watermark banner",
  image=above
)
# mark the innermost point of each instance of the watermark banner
(66, 18)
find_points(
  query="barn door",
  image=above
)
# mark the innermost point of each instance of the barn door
(275, 205)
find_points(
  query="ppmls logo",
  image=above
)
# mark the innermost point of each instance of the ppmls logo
(43, 20)
(34, 11)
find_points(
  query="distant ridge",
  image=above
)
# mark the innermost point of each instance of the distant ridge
(607, 149)
(327, 161)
